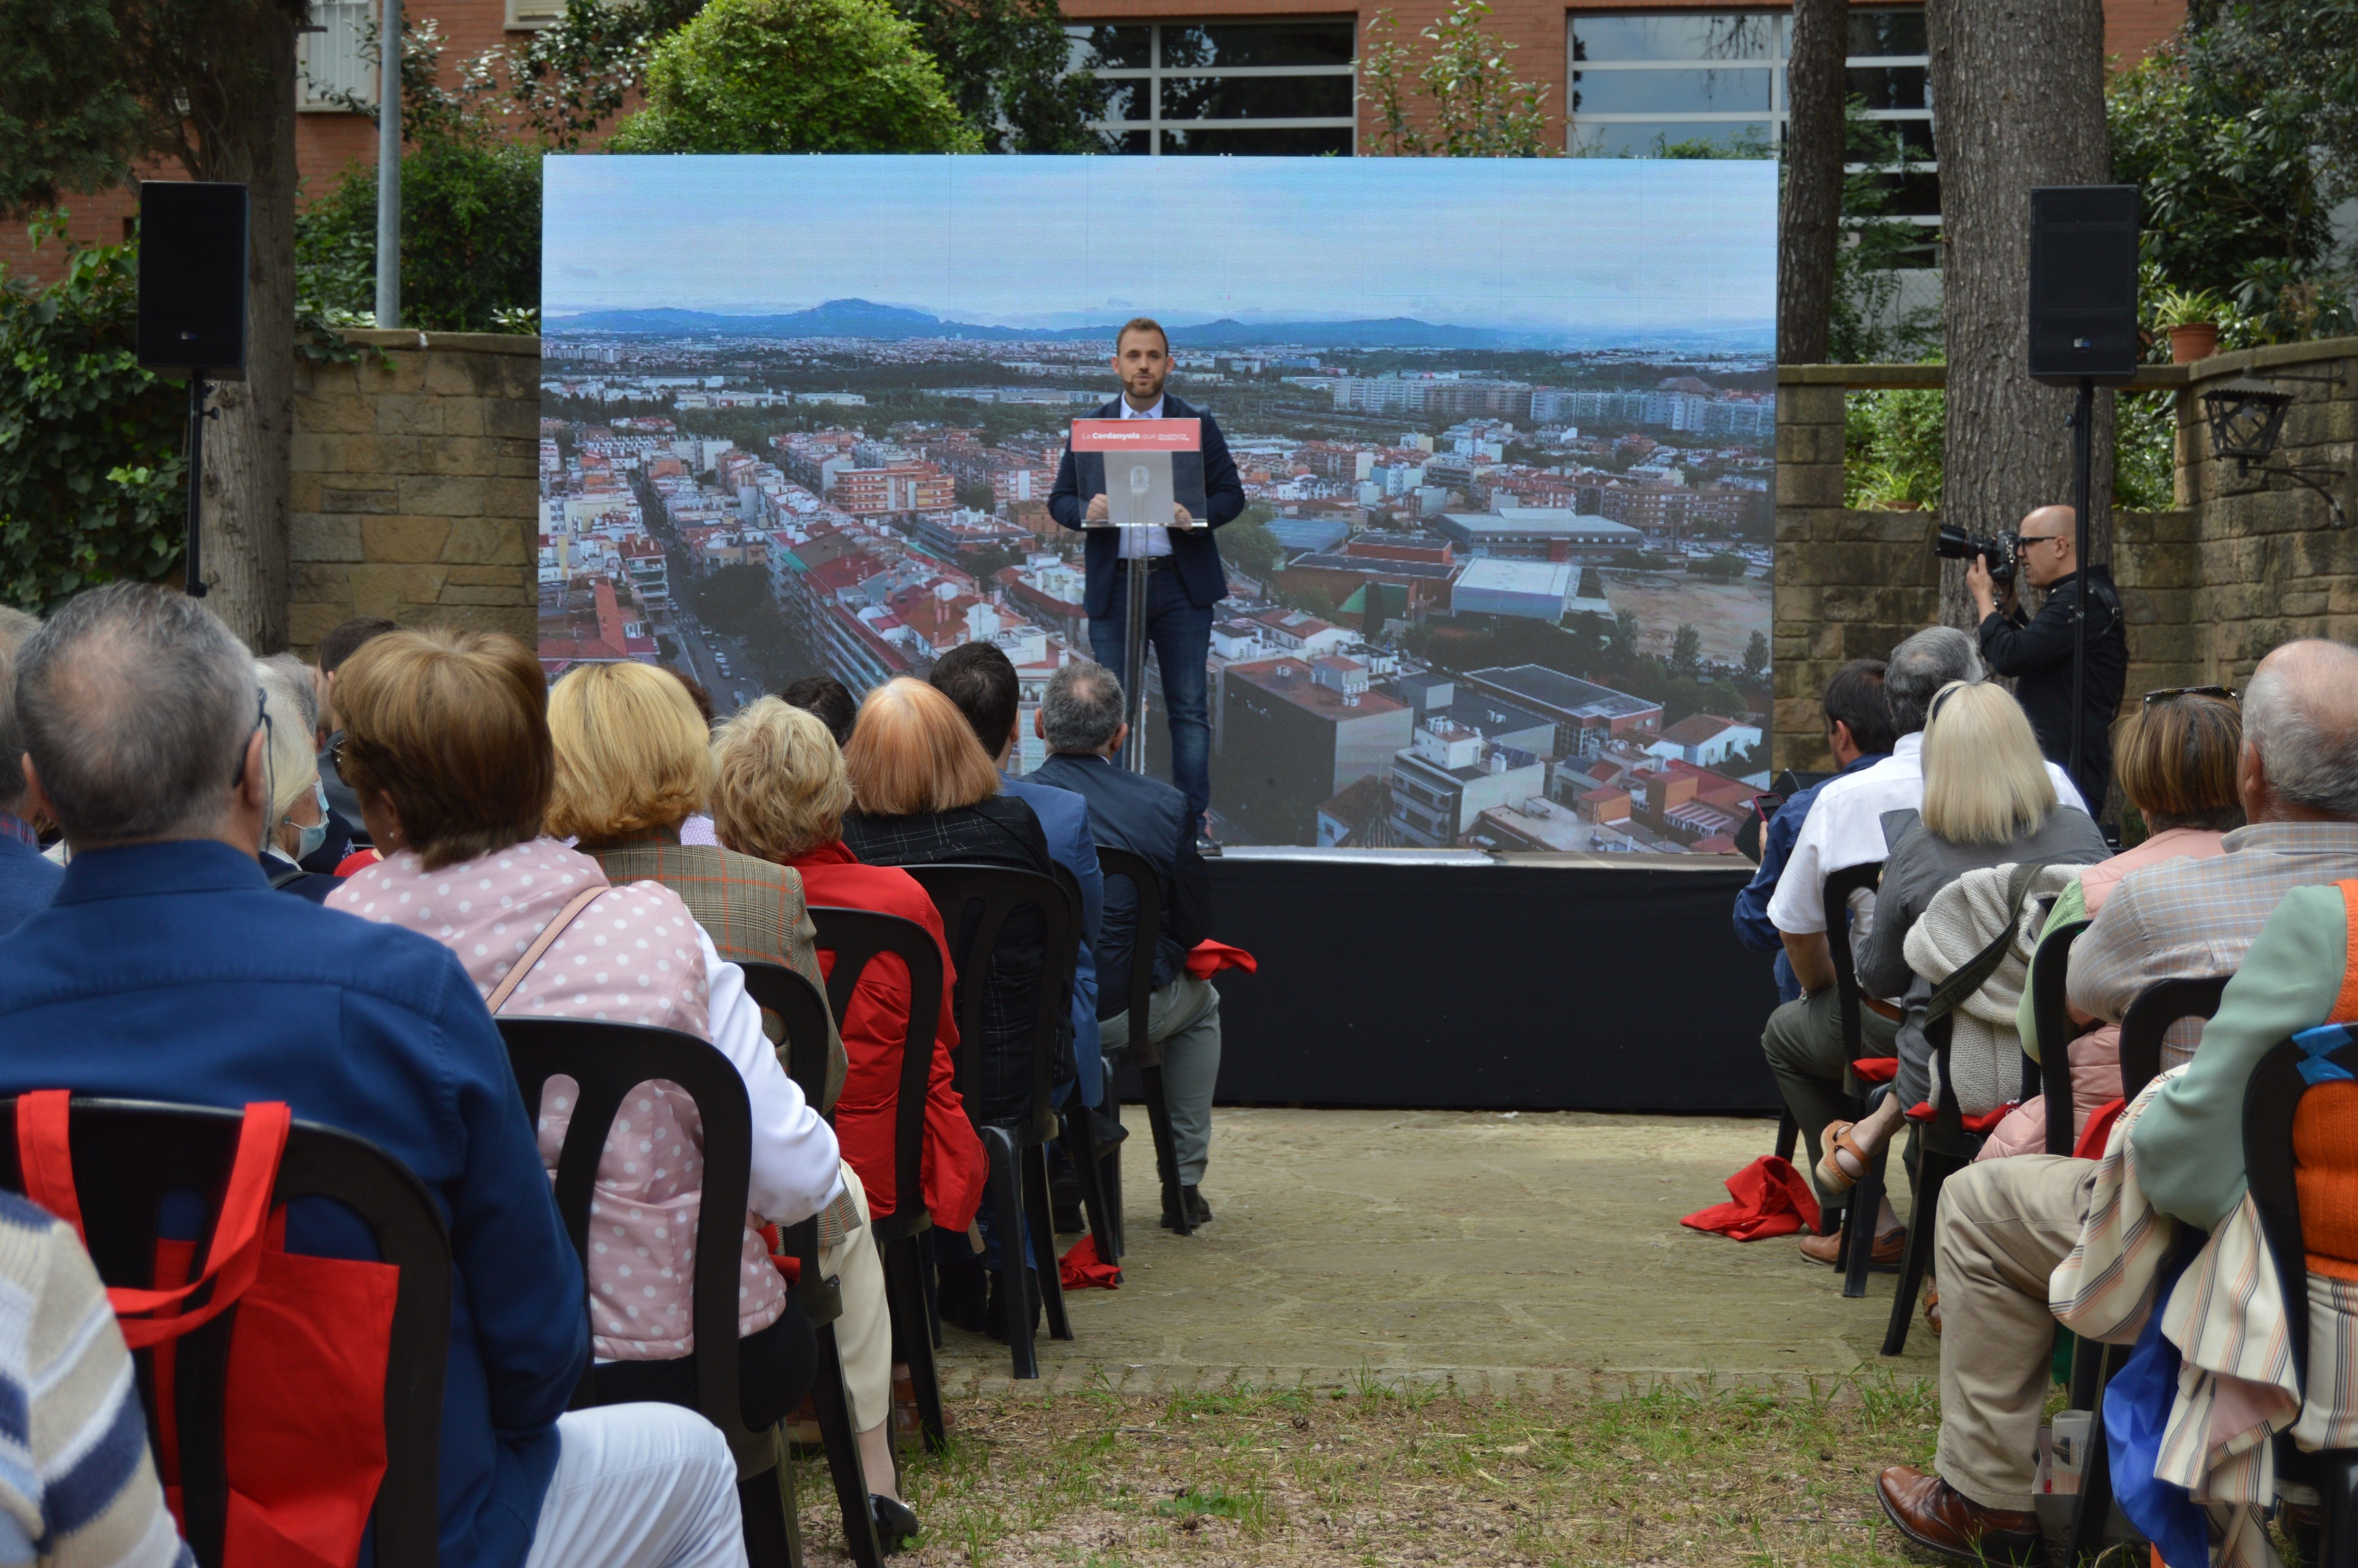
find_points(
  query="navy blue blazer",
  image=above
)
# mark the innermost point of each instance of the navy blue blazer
(1065, 818)
(1151, 819)
(28, 880)
(1192, 549)
(173, 972)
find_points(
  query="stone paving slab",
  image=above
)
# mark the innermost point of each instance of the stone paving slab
(1535, 1252)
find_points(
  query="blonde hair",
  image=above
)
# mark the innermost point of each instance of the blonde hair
(631, 752)
(913, 751)
(1985, 781)
(2175, 758)
(779, 790)
(293, 765)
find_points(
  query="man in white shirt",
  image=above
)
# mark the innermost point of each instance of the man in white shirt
(1804, 1039)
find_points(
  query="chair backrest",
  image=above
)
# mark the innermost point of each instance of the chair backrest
(129, 1156)
(2050, 1011)
(804, 1010)
(1839, 886)
(2271, 1101)
(858, 937)
(998, 894)
(606, 1062)
(1140, 981)
(2148, 1019)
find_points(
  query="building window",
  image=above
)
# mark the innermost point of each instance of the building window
(1223, 87)
(1648, 84)
(330, 65)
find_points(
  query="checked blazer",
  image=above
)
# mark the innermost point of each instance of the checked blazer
(751, 909)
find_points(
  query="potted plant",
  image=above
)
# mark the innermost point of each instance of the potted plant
(2190, 319)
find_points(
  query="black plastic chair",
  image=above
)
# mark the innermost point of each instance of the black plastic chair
(858, 937)
(1078, 1136)
(129, 1155)
(804, 1010)
(1944, 1147)
(2051, 1011)
(1142, 1052)
(1856, 1258)
(2271, 1100)
(606, 1062)
(2147, 1021)
(1019, 1162)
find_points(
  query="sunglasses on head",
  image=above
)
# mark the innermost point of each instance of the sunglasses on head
(2225, 693)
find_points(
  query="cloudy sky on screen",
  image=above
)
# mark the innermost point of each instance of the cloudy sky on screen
(1523, 243)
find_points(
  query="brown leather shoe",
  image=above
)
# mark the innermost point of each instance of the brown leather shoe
(1827, 1249)
(1940, 1518)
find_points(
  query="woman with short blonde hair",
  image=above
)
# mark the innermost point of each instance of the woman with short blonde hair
(780, 788)
(1985, 781)
(912, 752)
(633, 752)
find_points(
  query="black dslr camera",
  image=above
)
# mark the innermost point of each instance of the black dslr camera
(1954, 543)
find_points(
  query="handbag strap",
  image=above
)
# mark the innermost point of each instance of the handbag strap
(1948, 993)
(540, 944)
(45, 1156)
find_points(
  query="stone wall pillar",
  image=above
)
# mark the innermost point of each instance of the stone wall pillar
(416, 490)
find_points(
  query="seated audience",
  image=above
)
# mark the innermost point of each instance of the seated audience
(81, 1487)
(344, 640)
(2006, 1224)
(2174, 759)
(303, 681)
(633, 760)
(1081, 719)
(1804, 1040)
(1988, 802)
(298, 806)
(924, 792)
(28, 880)
(1859, 734)
(830, 699)
(981, 681)
(447, 747)
(166, 969)
(697, 826)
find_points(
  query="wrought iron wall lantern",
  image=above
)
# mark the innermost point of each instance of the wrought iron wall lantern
(2247, 415)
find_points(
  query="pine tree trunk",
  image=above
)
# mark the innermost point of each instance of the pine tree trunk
(1809, 223)
(250, 448)
(2020, 90)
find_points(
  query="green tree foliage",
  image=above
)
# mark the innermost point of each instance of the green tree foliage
(1686, 651)
(792, 76)
(1893, 445)
(1461, 101)
(573, 77)
(736, 602)
(1867, 328)
(1755, 656)
(1004, 62)
(1248, 543)
(470, 238)
(90, 467)
(1724, 566)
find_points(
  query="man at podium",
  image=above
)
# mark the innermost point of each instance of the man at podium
(1185, 579)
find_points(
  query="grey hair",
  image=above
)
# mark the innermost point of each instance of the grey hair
(1919, 667)
(293, 765)
(2299, 715)
(306, 685)
(1081, 710)
(136, 704)
(15, 627)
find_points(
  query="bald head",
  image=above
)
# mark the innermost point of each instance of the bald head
(2300, 733)
(137, 708)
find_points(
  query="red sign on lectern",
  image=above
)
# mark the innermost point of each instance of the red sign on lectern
(1138, 435)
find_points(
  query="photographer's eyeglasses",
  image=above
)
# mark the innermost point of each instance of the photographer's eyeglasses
(2225, 693)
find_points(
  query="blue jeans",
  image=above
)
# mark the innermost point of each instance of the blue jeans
(1181, 635)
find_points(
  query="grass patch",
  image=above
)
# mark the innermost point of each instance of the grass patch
(1690, 1473)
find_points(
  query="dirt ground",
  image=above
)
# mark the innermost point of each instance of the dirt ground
(1726, 614)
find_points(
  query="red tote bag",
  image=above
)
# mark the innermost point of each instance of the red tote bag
(304, 1413)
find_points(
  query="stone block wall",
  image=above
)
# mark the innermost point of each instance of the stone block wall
(2242, 564)
(416, 488)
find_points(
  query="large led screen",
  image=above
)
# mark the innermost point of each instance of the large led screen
(1505, 429)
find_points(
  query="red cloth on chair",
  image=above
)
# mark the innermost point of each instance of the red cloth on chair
(1081, 1270)
(1980, 1126)
(2099, 1130)
(1770, 1199)
(359, 859)
(1208, 958)
(1875, 1069)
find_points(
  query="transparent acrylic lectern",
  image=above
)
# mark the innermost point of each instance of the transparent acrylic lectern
(1150, 472)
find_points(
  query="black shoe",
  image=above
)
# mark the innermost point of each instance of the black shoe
(961, 1289)
(1208, 846)
(1198, 1211)
(1108, 1129)
(1064, 1202)
(896, 1527)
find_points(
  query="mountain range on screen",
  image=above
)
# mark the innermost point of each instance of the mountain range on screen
(866, 319)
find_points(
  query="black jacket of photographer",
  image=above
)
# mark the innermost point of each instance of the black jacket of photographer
(2037, 652)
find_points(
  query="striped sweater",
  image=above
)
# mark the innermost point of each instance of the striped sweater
(77, 1486)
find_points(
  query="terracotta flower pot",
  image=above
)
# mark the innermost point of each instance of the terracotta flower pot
(2194, 341)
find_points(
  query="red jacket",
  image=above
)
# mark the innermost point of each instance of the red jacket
(874, 1028)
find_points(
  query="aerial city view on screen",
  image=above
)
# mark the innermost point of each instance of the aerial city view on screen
(1502, 579)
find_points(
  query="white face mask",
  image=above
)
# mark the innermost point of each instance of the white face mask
(308, 840)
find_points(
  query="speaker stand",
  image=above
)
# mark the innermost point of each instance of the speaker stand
(198, 415)
(2084, 457)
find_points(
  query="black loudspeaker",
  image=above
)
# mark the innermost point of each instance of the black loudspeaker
(2083, 284)
(192, 266)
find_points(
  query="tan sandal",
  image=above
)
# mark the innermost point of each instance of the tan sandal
(1933, 1304)
(1837, 1139)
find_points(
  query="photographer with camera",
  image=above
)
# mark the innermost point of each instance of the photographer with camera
(2036, 650)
